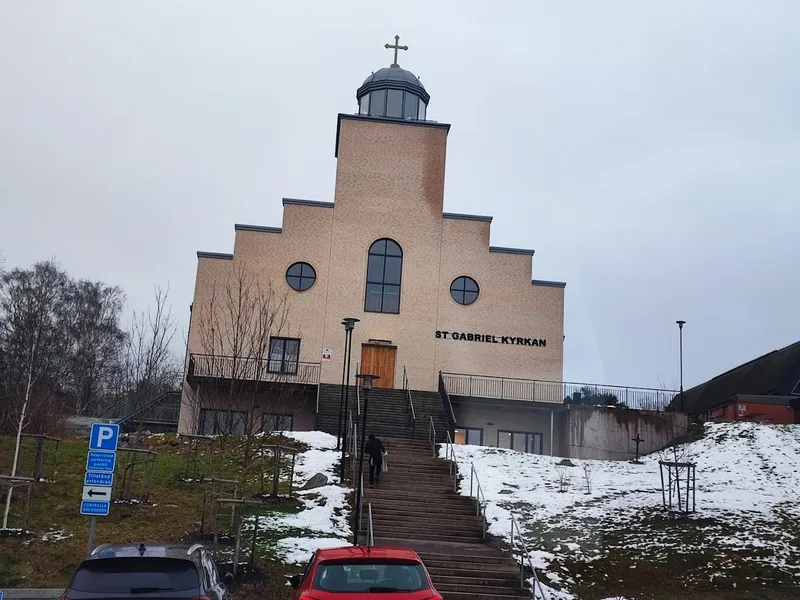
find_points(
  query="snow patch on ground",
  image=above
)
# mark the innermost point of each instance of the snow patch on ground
(323, 521)
(747, 488)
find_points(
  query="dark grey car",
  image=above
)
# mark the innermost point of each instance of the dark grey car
(149, 572)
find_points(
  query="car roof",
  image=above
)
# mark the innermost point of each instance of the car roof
(134, 550)
(361, 552)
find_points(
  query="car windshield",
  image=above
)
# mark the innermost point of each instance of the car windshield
(135, 576)
(370, 576)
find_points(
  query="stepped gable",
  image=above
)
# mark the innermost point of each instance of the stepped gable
(414, 506)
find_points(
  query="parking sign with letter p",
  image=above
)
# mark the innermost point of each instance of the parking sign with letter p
(105, 436)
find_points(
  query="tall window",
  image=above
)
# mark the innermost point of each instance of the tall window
(520, 441)
(467, 435)
(284, 354)
(384, 272)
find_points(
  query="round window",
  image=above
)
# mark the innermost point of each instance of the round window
(301, 276)
(464, 290)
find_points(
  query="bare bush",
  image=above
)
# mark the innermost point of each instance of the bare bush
(564, 478)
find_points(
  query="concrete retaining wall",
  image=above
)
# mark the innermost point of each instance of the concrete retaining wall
(607, 433)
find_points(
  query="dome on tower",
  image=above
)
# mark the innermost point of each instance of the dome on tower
(393, 92)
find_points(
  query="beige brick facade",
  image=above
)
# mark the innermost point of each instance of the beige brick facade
(390, 184)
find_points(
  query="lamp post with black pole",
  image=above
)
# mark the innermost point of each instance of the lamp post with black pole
(680, 334)
(366, 385)
(349, 324)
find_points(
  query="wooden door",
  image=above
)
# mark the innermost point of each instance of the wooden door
(379, 360)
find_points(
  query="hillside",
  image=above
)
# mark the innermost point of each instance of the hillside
(743, 541)
(56, 537)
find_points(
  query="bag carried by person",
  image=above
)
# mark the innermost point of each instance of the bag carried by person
(385, 462)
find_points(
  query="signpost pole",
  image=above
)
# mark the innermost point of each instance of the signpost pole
(92, 524)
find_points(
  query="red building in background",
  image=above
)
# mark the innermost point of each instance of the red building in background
(762, 409)
(766, 390)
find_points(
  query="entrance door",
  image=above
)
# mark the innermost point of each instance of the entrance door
(379, 360)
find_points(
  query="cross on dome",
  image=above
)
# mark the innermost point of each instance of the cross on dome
(396, 46)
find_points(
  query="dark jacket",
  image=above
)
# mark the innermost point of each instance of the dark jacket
(374, 448)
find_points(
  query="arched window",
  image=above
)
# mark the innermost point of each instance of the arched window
(384, 272)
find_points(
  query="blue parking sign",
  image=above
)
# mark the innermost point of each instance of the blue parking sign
(105, 436)
(98, 478)
(94, 508)
(101, 461)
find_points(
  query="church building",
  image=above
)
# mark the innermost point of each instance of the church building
(437, 306)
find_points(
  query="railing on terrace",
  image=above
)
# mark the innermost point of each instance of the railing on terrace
(557, 392)
(163, 408)
(253, 369)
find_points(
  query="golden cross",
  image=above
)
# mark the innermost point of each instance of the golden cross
(396, 47)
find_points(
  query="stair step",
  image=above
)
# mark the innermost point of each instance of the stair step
(482, 596)
(454, 571)
(459, 559)
(403, 534)
(447, 589)
(481, 579)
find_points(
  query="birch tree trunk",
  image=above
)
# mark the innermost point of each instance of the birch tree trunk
(20, 427)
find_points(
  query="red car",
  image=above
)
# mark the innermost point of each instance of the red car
(358, 573)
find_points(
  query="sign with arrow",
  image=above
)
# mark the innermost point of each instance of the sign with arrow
(96, 493)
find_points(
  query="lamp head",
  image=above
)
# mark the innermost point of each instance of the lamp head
(349, 323)
(366, 380)
(680, 324)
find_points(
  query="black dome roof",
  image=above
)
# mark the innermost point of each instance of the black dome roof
(394, 78)
(394, 74)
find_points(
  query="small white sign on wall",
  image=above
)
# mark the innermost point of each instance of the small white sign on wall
(742, 410)
(326, 354)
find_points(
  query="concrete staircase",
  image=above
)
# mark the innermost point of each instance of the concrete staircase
(414, 506)
(388, 414)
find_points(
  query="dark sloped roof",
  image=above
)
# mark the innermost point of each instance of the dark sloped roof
(765, 375)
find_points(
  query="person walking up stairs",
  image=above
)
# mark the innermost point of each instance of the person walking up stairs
(415, 507)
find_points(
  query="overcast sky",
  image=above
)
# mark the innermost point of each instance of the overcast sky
(648, 151)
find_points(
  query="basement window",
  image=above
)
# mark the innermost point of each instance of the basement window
(274, 422)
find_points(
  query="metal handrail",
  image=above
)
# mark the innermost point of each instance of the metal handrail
(537, 584)
(480, 499)
(370, 532)
(447, 404)
(432, 435)
(410, 402)
(450, 455)
(354, 449)
(361, 502)
(358, 391)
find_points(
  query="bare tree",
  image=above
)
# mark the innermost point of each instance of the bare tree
(245, 370)
(94, 341)
(31, 308)
(150, 367)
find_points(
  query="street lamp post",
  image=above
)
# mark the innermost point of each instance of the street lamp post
(680, 334)
(366, 386)
(349, 324)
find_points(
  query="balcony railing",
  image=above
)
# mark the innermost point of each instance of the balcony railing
(253, 369)
(556, 392)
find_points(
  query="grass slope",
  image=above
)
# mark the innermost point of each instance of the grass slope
(57, 535)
